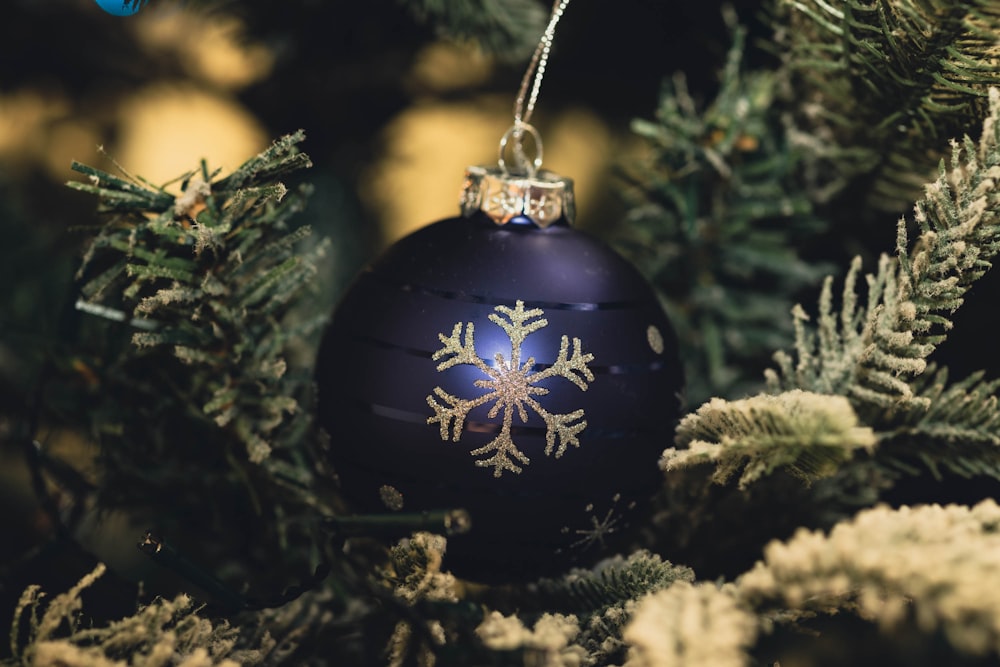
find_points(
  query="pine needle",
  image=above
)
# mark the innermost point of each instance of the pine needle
(808, 434)
(871, 353)
(891, 79)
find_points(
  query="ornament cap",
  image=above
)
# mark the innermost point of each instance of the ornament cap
(543, 198)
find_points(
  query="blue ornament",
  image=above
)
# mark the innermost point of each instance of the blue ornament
(122, 7)
(510, 365)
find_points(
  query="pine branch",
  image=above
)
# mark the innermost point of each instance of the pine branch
(891, 78)
(211, 273)
(716, 220)
(166, 631)
(964, 411)
(959, 433)
(870, 354)
(508, 30)
(415, 572)
(613, 582)
(551, 641)
(601, 599)
(925, 568)
(810, 435)
(193, 316)
(694, 625)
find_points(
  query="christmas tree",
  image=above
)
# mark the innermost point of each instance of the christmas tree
(810, 188)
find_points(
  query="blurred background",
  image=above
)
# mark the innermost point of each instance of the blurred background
(393, 106)
(393, 111)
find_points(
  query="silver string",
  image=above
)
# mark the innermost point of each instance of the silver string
(537, 65)
(535, 72)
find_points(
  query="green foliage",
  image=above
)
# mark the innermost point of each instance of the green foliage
(187, 361)
(696, 625)
(959, 433)
(875, 354)
(191, 345)
(870, 353)
(890, 80)
(164, 632)
(508, 29)
(810, 435)
(615, 580)
(925, 567)
(209, 275)
(717, 216)
(601, 598)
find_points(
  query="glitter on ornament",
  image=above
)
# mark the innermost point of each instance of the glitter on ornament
(655, 339)
(601, 528)
(391, 497)
(512, 386)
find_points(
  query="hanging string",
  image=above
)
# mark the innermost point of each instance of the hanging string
(536, 68)
(522, 112)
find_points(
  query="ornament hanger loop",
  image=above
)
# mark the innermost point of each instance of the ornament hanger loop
(521, 162)
(533, 80)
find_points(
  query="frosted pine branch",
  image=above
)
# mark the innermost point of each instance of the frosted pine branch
(212, 271)
(892, 566)
(808, 434)
(414, 574)
(690, 625)
(164, 632)
(873, 353)
(958, 434)
(550, 642)
(604, 599)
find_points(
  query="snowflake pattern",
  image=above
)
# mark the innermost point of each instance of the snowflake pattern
(600, 528)
(512, 387)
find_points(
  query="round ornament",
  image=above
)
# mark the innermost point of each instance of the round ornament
(122, 7)
(505, 363)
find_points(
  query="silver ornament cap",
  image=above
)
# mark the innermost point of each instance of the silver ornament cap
(544, 197)
(525, 192)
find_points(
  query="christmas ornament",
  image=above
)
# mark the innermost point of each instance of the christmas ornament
(505, 363)
(122, 7)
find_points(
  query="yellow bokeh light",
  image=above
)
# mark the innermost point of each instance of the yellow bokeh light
(25, 116)
(210, 46)
(165, 128)
(430, 145)
(445, 66)
(428, 148)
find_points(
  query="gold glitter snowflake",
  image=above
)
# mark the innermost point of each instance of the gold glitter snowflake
(512, 387)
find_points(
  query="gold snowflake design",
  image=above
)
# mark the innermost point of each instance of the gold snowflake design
(512, 387)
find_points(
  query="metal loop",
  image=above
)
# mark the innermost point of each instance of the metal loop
(516, 132)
